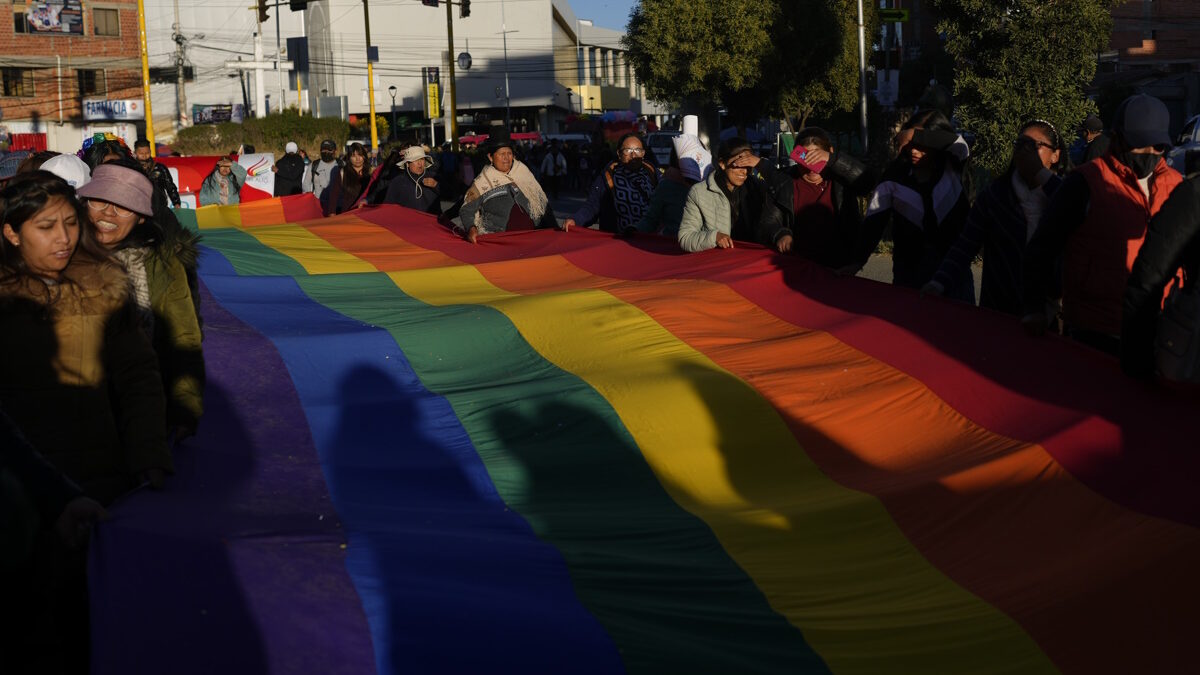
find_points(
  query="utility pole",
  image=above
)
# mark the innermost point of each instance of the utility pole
(260, 89)
(862, 76)
(370, 78)
(141, 13)
(507, 98)
(278, 60)
(452, 130)
(259, 66)
(181, 105)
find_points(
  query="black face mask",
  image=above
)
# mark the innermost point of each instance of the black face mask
(1141, 164)
(326, 156)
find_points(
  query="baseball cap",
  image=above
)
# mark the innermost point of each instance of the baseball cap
(291, 147)
(69, 168)
(1143, 121)
(327, 144)
(1093, 124)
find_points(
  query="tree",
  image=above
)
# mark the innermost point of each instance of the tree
(757, 57)
(818, 72)
(1017, 60)
(698, 48)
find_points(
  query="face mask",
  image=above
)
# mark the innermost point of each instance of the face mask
(326, 156)
(1141, 164)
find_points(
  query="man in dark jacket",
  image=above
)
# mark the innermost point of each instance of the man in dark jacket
(1096, 223)
(415, 187)
(819, 199)
(1097, 141)
(289, 172)
(1173, 241)
(158, 174)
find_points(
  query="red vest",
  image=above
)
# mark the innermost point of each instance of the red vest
(1100, 253)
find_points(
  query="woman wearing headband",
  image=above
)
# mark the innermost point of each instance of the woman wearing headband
(1004, 218)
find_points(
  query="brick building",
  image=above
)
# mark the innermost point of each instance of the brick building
(56, 56)
(1155, 48)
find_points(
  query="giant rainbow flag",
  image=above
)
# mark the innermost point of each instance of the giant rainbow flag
(570, 453)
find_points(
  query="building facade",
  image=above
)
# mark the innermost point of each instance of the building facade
(533, 61)
(1154, 49)
(69, 70)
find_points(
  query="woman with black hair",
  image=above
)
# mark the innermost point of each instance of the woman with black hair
(223, 185)
(921, 195)
(348, 183)
(504, 197)
(1004, 218)
(160, 258)
(729, 205)
(819, 199)
(101, 148)
(79, 378)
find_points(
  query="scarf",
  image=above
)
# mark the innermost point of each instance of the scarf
(1033, 203)
(520, 176)
(631, 192)
(134, 261)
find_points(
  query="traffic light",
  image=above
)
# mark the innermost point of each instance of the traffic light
(430, 3)
(298, 5)
(464, 9)
(262, 11)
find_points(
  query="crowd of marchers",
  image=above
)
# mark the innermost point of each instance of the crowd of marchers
(99, 299)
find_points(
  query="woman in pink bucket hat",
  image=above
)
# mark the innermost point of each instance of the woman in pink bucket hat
(161, 260)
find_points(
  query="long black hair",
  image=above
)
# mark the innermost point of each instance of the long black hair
(94, 156)
(21, 199)
(353, 182)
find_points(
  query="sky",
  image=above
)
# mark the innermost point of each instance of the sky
(604, 13)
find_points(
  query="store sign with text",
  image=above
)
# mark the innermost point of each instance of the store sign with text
(95, 109)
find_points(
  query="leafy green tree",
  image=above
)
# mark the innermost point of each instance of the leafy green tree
(757, 57)
(698, 48)
(1021, 59)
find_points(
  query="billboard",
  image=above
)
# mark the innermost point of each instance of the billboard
(215, 114)
(59, 16)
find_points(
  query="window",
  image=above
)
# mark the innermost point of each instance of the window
(106, 22)
(18, 81)
(91, 83)
(20, 25)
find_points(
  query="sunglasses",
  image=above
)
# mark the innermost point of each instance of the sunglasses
(633, 151)
(98, 205)
(1026, 140)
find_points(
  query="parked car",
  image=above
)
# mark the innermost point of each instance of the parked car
(1185, 156)
(659, 143)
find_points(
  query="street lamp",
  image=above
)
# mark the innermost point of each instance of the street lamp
(392, 91)
(591, 103)
(570, 108)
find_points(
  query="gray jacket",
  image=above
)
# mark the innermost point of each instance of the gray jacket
(705, 214)
(317, 178)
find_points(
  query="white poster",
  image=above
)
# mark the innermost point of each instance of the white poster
(259, 174)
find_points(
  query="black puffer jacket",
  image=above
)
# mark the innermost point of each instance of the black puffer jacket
(849, 179)
(1172, 241)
